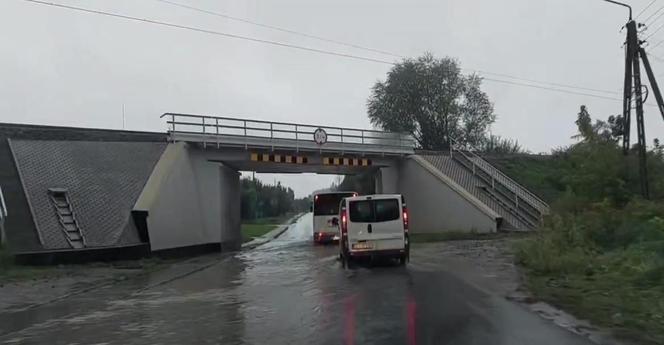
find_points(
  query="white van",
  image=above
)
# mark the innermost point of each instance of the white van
(374, 225)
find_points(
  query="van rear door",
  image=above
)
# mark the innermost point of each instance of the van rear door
(387, 223)
(374, 219)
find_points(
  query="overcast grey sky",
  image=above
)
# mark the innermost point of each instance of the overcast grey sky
(60, 67)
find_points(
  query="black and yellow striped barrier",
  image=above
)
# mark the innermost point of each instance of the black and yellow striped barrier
(292, 159)
(278, 158)
(364, 162)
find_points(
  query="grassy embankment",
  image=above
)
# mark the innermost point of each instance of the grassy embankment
(258, 227)
(600, 255)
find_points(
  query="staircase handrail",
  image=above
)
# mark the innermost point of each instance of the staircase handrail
(494, 172)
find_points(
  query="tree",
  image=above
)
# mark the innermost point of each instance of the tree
(433, 101)
(600, 131)
(495, 144)
(616, 125)
(261, 200)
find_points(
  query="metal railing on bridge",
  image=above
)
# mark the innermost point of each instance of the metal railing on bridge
(520, 195)
(227, 131)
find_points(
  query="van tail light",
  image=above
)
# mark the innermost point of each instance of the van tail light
(344, 222)
(405, 219)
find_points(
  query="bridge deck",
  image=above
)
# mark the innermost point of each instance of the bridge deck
(225, 131)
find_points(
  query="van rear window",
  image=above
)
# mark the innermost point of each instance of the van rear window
(387, 210)
(361, 211)
(374, 211)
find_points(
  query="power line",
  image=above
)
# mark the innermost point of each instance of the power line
(374, 50)
(654, 32)
(286, 45)
(655, 57)
(653, 14)
(656, 18)
(549, 83)
(211, 32)
(243, 20)
(658, 44)
(552, 89)
(645, 8)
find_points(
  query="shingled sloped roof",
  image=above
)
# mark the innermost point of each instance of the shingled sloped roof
(103, 180)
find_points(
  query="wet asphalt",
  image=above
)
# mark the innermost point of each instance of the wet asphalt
(288, 291)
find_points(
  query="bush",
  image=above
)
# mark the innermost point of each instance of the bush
(603, 264)
(599, 261)
(600, 254)
(600, 228)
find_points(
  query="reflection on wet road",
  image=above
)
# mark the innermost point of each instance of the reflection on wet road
(289, 291)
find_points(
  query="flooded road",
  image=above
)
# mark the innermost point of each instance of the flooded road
(289, 291)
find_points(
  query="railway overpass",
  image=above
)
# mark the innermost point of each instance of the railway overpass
(75, 192)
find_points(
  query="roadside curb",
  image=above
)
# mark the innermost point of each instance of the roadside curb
(278, 231)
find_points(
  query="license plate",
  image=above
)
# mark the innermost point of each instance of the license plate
(362, 245)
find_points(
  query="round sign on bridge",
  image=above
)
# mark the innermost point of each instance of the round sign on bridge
(320, 136)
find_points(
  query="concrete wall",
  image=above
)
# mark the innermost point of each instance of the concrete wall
(190, 201)
(437, 204)
(231, 238)
(387, 179)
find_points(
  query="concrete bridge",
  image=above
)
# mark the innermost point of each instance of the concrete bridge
(71, 192)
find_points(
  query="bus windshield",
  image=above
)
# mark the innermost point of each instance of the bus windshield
(328, 204)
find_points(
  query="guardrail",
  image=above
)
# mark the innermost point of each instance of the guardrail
(3, 206)
(3, 215)
(498, 176)
(212, 129)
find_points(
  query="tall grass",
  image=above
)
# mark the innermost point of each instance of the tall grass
(604, 263)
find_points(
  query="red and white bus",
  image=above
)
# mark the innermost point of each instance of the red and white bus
(326, 215)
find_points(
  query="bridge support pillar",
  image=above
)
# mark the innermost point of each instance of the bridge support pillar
(387, 180)
(229, 183)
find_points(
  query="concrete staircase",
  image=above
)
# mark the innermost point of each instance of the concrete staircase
(520, 209)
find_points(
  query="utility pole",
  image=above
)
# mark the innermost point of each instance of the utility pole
(634, 53)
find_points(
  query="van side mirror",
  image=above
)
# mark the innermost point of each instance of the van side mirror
(311, 208)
